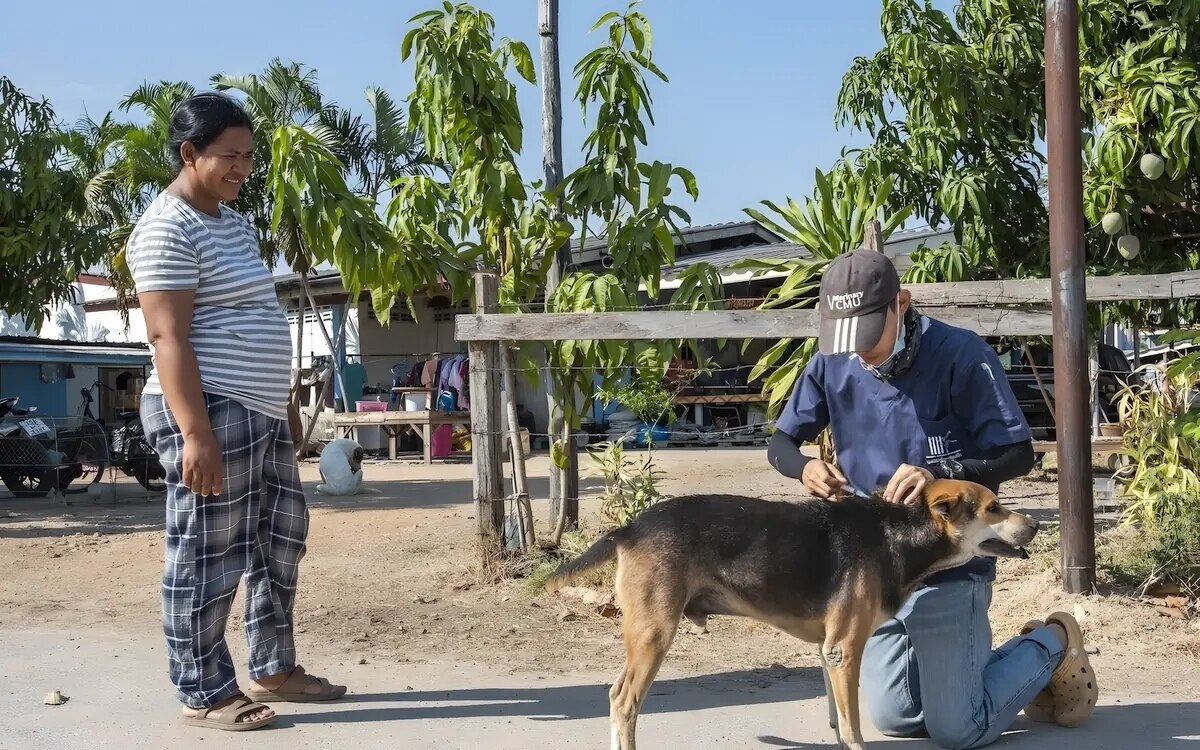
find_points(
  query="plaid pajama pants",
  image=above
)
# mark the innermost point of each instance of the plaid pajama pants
(254, 530)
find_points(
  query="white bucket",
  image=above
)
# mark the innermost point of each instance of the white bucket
(416, 401)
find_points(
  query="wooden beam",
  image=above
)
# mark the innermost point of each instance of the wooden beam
(1179, 285)
(715, 324)
(487, 471)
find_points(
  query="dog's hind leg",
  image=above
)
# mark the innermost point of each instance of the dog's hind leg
(833, 713)
(651, 603)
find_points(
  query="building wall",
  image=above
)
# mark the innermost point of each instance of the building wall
(403, 340)
(24, 381)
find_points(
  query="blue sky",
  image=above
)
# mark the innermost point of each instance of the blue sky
(749, 107)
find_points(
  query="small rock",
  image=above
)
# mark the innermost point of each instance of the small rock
(424, 600)
(362, 661)
(424, 631)
(567, 616)
(55, 698)
(1080, 612)
(1091, 649)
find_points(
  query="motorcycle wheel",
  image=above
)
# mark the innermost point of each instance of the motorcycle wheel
(147, 468)
(24, 484)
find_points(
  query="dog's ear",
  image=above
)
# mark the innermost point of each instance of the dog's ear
(945, 501)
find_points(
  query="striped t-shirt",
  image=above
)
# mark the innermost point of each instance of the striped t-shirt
(240, 334)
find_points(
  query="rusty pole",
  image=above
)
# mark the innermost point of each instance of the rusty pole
(1068, 296)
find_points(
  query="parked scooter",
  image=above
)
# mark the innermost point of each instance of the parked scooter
(128, 449)
(37, 456)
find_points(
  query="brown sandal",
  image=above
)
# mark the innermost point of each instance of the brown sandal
(295, 690)
(228, 717)
(1073, 685)
(1042, 708)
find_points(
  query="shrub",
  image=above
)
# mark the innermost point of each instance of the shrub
(630, 486)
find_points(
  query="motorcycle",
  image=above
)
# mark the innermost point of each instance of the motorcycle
(128, 448)
(38, 455)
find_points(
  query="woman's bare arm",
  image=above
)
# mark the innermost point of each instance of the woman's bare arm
(168, 322)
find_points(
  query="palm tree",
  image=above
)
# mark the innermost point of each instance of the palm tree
(378, 153)
(145, 167)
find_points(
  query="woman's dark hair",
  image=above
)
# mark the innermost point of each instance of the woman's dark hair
(201, 119)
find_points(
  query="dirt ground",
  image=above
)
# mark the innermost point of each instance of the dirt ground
(391, 577)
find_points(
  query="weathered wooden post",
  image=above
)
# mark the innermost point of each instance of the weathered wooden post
(487, 471)
(1069, 296)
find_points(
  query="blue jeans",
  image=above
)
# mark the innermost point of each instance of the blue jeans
(931, 671)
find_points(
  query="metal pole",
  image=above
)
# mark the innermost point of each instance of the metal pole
(1068, 296)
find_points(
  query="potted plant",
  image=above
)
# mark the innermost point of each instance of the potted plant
(650, 401)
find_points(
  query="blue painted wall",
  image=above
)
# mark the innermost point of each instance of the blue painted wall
(25, 382)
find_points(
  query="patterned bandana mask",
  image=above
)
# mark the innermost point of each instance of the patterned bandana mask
(902, 358)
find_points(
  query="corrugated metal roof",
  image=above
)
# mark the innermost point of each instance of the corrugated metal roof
(748, 227)
(51, 351)
(725, 258)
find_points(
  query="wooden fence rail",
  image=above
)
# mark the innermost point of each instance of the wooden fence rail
(970, 305)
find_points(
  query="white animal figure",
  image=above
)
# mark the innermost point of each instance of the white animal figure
(341, 468)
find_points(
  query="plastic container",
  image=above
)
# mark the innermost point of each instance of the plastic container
(370, 438)
(416, 401)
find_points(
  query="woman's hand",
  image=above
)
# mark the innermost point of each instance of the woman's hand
(202, 470)
(822, 479)
(907, 484)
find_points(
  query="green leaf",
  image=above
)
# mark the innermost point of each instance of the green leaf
(605, 19)
(523, 61)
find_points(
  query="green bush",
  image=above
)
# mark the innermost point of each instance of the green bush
(1164, 550)
(630, 486)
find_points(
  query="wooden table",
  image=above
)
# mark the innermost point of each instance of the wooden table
(700, 400)
(394, 423)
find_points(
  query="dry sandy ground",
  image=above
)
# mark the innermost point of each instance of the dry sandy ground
(390, 578)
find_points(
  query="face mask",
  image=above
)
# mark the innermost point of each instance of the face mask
(884, 369)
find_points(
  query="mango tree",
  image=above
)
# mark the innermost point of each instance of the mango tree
(956, 108)
(465, 108)
(47, 234)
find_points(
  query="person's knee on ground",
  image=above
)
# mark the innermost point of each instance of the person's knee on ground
(889, 683)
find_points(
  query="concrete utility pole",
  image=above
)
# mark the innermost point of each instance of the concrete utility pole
(1072, 389)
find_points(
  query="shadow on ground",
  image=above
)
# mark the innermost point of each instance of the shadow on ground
(1149, 726)
(563, 703)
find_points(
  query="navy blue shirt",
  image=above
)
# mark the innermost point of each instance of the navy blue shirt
(954, 402)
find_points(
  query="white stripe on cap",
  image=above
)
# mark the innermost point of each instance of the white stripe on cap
(844, 332)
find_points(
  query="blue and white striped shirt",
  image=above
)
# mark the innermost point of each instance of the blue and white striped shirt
(240, 334)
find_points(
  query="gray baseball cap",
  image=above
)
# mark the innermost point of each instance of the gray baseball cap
(857, 289)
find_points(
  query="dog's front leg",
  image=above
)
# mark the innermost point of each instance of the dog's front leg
(842, 655)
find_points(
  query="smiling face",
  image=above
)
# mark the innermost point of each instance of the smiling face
(218, 170)
(972, 516)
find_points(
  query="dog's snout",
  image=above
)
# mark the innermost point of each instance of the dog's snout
(1034, 525)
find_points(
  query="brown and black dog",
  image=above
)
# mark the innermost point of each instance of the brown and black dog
(827, 572)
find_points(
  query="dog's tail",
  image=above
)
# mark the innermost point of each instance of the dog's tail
(603, 550)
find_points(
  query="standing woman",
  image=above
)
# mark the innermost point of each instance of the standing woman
(216, 409)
